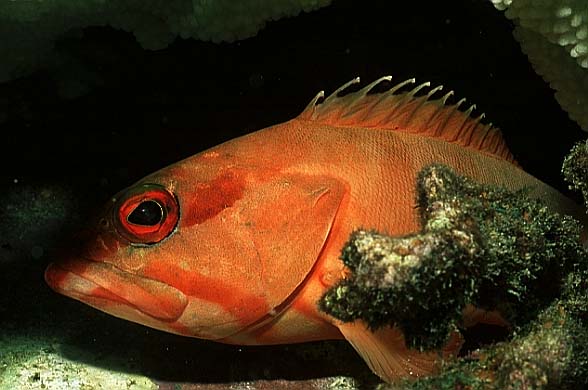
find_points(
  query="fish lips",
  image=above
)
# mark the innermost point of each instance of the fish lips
(104, 286)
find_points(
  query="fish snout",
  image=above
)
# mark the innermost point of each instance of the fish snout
(109, 289)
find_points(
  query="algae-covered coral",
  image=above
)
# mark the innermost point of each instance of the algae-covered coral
(549, 353)
(575, 169)
(484, 246)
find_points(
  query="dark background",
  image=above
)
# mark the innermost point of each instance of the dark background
(75, 134)
(145, 109)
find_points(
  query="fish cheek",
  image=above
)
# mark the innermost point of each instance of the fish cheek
(133, 259)
(215, 266)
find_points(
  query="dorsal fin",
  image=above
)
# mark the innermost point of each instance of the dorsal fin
(408, 113)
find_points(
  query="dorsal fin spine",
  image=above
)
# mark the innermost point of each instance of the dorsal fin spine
(470, 129)
(363, 93)
(438, 112)
(312, 105)
(468, 126)
(447, 96)
(333, 96)
(422, 101)
(416, 89)
(449, 114)
(385, 97)
(406, 112)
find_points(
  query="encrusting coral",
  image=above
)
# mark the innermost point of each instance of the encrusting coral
(483, 246)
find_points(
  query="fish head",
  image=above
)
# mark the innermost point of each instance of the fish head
(204, 248)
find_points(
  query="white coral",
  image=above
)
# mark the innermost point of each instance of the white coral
(28, 28)
(554, 35)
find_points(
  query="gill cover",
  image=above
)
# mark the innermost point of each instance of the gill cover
(290, 219)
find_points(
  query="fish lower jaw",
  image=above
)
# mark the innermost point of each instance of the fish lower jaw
(136, 296)
(68, 283)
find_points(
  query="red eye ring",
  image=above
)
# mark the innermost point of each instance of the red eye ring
(167, 214)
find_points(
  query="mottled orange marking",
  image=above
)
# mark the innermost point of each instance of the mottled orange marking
(210, 198)
(102, 293)
(236, 300)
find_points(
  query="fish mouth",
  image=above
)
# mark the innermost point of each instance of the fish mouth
(109, 289)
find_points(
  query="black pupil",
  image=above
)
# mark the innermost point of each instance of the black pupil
(147, 213)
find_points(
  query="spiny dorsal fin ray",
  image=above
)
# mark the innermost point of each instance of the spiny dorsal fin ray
(409, 113)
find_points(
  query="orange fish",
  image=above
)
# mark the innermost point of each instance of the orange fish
(237, 243)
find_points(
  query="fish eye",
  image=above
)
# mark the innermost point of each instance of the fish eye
(146, 214)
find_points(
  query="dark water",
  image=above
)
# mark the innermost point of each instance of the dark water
(73, 136)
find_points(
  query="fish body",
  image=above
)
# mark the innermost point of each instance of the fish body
(238, 243)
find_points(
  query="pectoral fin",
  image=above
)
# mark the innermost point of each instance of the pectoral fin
(386, 354)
